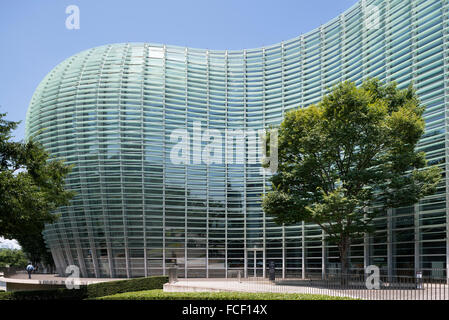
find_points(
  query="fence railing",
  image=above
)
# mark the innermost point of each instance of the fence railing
(354, 285)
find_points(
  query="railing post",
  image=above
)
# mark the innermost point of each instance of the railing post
(272, 271)
(419, 284)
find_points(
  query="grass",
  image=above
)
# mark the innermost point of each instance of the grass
(161, 295)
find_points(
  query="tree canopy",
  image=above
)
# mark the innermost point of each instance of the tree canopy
(32, 187)
(348, 158)
(12, 258)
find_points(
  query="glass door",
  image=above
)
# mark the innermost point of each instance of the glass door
(255, 262)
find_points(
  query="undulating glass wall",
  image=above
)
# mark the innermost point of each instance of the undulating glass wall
(111, 112)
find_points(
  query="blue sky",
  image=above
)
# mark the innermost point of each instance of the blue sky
(34, 38)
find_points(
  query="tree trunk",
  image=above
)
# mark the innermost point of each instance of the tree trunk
(343, 248)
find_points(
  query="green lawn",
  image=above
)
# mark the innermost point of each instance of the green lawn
(161, 295)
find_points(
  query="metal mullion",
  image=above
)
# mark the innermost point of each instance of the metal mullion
(283, 252)
(67, 248)
(82, 266)
(164, 170)
(366, 237)
(323, 234)
(245, 213)
(226, 165)
(390, 243)
(185, 171)
(343, 46)
(417, 239)
(105, 216)
(446, 100)
(59, 260)
(55, 252)
(303, 251)
(144, 211)
(303, 238)
(207, 176)
(282, 115)
(264, 178)
(125, 230)
(416, 212)
(226, 190)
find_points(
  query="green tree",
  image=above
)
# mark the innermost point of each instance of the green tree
(348, 158)
(33, 244)
(32, 187)
(12, 258)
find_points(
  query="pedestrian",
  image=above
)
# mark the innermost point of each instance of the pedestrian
(30, 269)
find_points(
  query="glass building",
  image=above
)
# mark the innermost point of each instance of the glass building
(110, 111)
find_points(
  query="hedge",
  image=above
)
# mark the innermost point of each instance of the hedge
(89, 292)
(121, 286)
(55, 294)
(5, 295)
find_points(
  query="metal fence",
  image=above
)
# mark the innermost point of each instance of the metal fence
(354, 285)
(367, 287)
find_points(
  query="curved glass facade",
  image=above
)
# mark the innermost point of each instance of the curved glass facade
(111, 110)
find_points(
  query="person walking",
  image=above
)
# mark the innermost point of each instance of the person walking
(30, 269)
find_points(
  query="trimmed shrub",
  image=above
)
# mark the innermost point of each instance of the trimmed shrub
(56, 294)
(5, 295)
(129, 285)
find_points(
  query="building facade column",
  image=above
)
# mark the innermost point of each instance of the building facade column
(390, 243)
(446, 103)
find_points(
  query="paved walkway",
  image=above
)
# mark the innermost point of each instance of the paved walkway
(434, 292)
